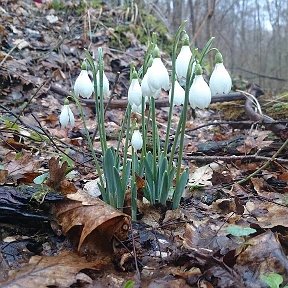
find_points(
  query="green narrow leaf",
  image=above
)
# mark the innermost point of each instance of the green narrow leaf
(120, 190)
(164, 190)
(103, 193)
(180, 186)
(109, 176)
(239, 231)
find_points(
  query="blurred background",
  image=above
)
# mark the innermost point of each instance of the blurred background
(251, 34)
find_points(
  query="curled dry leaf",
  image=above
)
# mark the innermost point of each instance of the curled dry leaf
(57, 271)
(90, 222)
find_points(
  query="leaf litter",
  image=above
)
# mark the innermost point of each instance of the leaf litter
(191, 246)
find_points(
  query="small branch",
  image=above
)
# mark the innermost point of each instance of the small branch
(273, 158)
(232, 158)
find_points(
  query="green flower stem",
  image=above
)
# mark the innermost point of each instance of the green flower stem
(154, 135)
(133, 187)
(143, 152)
(102, 123)
(177, 39)
(90, 143)
(125, 156)
(124, 120)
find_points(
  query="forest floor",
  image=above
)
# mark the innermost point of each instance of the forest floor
(231, 229)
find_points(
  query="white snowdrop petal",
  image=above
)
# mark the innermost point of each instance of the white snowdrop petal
(199, 93)
(220, 80)
(179, 94)
(136, 140)
(106, 91)
(158, 76)
(182, 61)
(66, 117)
(136, 109)
(83, 85)
(147, 91)
(135, 93)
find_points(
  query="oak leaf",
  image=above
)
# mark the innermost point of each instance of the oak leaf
(90, 222)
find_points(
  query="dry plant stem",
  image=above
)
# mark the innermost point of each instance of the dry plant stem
(53, 142)
(264, 165)
(134, 253)
(10, 51)
(232, 158)
(29, 101)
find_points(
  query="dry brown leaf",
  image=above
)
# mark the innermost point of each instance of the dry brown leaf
(48, 271)
(17, 167)
(263, 254)
(57, 175)
(269, 214)
(90, 220)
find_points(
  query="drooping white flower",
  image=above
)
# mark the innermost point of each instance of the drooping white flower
(199, 93)
(83, 85)
(147, 91)
(182, 62)
(220, 80)
(106, 91)
(158, 77)
(66, 117)
(179, 94)
(137, 140)
(135, 92)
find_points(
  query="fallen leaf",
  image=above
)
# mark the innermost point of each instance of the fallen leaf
(263, 254)
(202, 175)
(52, 271)
(90, 220)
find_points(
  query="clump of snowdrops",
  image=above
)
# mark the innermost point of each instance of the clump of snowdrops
(163, 170)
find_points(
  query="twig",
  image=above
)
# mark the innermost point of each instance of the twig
(134, 252)
(232, 158)
(10, 51)
(273, 158)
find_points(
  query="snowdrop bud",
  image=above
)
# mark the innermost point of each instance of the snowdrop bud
(83, 85)
(199, 93)
(134, 91)
(136, 140)
(179, 94)
(106, 91)
(66, 117)
(220, 80)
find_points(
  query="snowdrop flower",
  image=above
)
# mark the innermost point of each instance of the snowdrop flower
(136, 109)
(83, 85)
(147, 91)
(136, 140)
(134, 91)
(220, 80)
(199, 93)
(179, 94)
(66, 117)
(158, 76)
(106, 90)
(182, 60)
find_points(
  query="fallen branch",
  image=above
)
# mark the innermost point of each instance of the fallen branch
(273, 158)
(231, 158)
(278, 129)
(122, 103)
